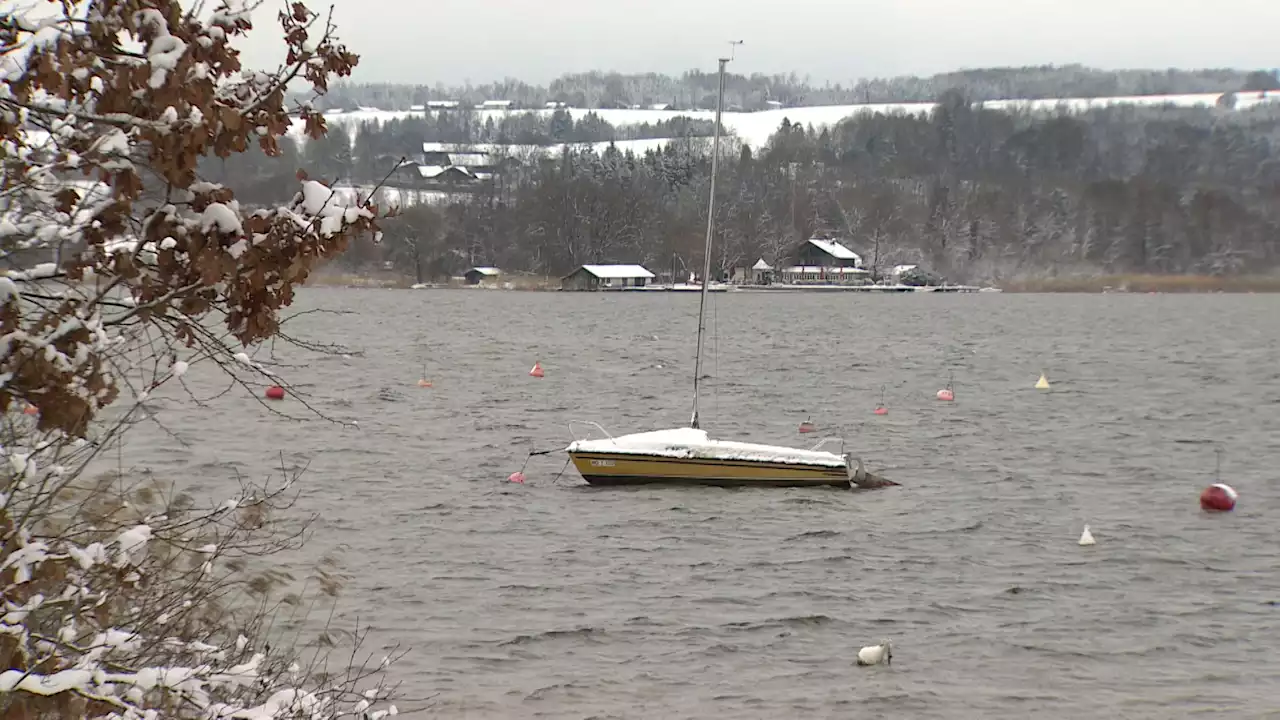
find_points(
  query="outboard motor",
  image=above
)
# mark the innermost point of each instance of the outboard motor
(860, 478)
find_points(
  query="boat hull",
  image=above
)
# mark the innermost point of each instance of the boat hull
(614, 469)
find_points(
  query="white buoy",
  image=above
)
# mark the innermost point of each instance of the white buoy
(1086, 537)
(876, 654)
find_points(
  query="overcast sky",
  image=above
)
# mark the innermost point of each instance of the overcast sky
(451, 41)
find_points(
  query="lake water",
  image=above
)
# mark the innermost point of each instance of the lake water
(557, 600)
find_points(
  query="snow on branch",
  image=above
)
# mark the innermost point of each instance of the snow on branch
(105, 112)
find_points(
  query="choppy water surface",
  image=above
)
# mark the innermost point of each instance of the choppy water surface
(557, 600)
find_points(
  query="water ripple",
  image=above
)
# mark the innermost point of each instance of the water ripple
(557, 600)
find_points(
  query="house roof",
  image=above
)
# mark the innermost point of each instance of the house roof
(761, 265)
(428, 172)
(490, 271)
(439, 147)
(834, 249)
(605, 272)
(470, 159)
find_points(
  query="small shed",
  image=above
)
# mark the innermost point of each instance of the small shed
(477, 275)
(899, 270)
(762, 273)
(600, 277)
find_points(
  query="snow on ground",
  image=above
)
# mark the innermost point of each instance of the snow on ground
(408, 197)
(638, 147)
(754, 128)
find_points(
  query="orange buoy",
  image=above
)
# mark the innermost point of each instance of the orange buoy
(1218, 497)
(275, 392)
(946, 395)
(537, 370)
(424, 383)
(30, 410)
(807, 427)
(881, 410)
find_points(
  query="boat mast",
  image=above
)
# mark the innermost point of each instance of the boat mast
(706, 260)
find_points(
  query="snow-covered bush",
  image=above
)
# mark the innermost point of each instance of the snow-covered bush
(120, 597)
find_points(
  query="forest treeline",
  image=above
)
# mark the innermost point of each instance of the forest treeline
(365, 152)
(697, 89)
(973, 194)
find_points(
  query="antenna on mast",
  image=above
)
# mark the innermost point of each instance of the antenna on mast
(733, 44)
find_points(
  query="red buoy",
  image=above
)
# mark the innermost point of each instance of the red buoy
(537, 369)
(275, 392)
(881, 410)
(946, 395)
(807, 427)
(516, 477)
(1218, 497)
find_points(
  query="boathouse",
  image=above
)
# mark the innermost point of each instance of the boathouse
(606, 277)
(477, 275)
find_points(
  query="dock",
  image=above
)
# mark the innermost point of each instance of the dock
(780, 287)
(866, 288)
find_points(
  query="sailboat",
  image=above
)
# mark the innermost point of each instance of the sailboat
(688, 455)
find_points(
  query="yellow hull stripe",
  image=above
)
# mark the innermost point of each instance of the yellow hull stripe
(621, 467)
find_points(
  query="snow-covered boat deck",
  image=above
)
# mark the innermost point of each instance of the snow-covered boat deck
(691, 443)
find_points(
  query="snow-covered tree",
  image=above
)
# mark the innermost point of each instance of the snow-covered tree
(121, 598)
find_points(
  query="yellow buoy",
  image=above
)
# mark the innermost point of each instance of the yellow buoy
(1042, 383)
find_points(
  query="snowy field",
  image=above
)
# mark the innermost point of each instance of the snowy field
(754, 128)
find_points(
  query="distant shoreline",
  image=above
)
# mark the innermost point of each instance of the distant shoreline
(1148, 284)
(1100, 284)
